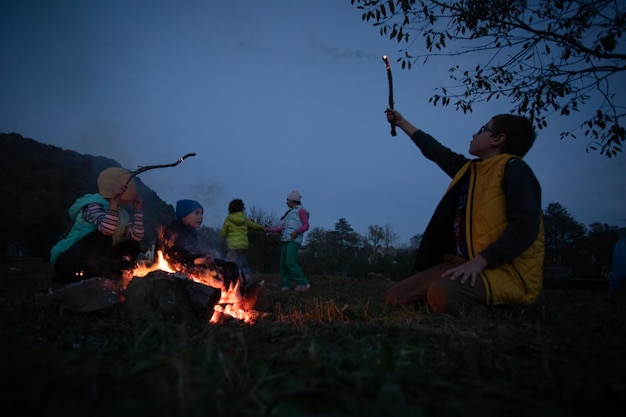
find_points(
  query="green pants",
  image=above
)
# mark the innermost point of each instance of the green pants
(289, 268)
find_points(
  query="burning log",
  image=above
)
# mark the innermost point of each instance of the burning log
(238, 297)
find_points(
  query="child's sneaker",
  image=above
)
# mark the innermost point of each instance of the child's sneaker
(303, 288)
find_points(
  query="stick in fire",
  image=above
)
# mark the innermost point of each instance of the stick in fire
(149, 167)
(390, 79)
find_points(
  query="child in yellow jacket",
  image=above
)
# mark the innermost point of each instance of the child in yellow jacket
(235, 230)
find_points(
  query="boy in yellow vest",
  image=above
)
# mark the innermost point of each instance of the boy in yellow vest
(484, 244)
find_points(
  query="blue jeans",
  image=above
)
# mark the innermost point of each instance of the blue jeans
(289, 268)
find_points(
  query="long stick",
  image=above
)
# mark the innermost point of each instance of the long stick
(390, 79)
(149, 167)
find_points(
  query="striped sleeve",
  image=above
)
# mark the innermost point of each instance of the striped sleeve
(104, 220)
(136, 229)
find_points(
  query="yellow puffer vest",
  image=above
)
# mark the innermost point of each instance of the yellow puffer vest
(518, 281)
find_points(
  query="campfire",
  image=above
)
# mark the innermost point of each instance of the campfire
(176, 293)
(219, 286)
(234, 301)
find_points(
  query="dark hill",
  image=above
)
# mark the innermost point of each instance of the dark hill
(39, 182)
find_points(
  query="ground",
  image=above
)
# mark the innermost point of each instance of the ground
(334, 350)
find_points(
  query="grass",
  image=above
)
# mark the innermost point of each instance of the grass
(332, 351)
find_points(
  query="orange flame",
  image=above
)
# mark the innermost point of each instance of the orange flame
(231, 300)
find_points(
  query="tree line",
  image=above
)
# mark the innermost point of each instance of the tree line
(342, 251)
(39, 183)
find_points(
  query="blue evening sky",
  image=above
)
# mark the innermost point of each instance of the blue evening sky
(272, 96)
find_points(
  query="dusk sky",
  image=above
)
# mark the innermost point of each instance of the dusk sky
(272, 96)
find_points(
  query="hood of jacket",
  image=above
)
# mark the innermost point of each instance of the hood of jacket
(80, 227)
(238, 218)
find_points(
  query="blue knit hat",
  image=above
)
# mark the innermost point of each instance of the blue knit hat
(184, 207)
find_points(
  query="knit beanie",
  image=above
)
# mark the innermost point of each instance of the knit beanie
(294, 196)
(184, 207)
(111, 178)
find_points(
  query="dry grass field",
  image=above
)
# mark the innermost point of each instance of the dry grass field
(335, 350)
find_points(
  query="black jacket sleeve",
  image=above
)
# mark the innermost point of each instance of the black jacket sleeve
(449, 161)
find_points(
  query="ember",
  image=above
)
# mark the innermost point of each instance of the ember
(235, 301)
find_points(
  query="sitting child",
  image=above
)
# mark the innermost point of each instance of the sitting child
(104, 239)
(181, 248)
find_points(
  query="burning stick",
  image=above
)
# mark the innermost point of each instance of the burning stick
(390, 79)
(149, 167)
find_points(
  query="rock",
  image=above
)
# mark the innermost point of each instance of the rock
(169, 297)
(86, 296)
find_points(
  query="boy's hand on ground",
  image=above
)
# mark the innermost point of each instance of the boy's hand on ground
(468, 270)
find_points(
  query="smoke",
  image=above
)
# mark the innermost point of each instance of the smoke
(334, 52)
(212, 196)
(100, 137)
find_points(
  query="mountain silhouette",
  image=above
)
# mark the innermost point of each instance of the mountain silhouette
(38, 184)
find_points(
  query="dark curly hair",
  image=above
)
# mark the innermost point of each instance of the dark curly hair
(235, 205)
